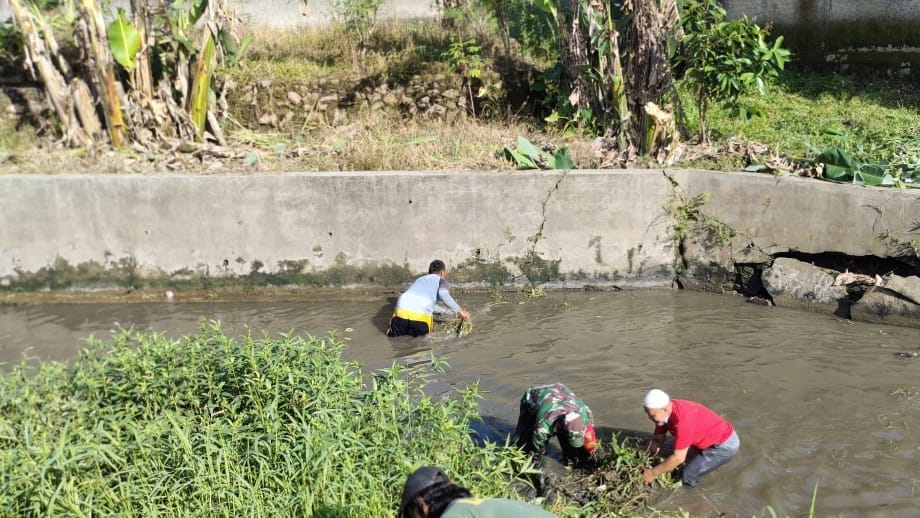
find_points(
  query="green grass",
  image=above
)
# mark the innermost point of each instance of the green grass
(804, 112)
(208, 425)
(395, 50)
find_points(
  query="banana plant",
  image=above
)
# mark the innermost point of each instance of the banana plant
(201, 81)
(124, 40)
(188, 66)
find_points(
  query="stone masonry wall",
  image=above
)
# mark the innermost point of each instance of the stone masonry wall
(284, 105)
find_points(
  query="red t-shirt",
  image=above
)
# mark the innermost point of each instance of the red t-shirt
(692, 424)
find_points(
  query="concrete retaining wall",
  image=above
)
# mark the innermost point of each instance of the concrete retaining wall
(788, 214)
(877, 33)
(598, 226)
(557, 229)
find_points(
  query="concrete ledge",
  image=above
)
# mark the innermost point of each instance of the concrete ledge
(549, 228)
(556, 228)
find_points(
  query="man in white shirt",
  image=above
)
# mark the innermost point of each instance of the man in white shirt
(415, 307)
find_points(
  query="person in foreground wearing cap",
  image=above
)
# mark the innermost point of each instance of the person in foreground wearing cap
(416, 306)
(429, 493)
(553, 410)
(710, 440)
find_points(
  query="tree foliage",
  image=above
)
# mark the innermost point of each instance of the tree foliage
(617, 60)
(724, 59)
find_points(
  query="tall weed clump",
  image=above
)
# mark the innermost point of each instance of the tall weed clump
(208, 425)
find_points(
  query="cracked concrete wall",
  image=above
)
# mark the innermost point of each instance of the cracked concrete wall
(597, 227)
(551, 228)
(790, 214)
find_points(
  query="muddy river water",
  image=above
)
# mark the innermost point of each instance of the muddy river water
(817, 401)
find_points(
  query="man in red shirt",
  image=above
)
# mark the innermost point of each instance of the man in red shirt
(710, 440)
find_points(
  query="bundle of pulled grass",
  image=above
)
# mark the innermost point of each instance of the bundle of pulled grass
(455, 326)
(610, 485)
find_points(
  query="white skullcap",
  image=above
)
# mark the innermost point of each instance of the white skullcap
(656, 398)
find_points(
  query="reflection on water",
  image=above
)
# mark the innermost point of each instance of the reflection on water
(816, 400)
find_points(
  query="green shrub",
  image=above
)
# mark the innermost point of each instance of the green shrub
(724, 59)
(207, 425)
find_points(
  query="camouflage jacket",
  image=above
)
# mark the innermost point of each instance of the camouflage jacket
(559, 412)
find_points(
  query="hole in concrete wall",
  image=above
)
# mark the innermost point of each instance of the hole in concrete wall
(749, 281)
(866, 264)
(749, 277)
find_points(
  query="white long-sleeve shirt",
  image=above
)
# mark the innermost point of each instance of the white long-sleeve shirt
(425, 293)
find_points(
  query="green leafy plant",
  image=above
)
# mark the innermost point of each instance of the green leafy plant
(145, 425)
(464, 57)
(124, 40)
(528, 156)
(687, 212)
(233, 51)
(527, 23)
(568, 119)
(725, 59)
(838, 166)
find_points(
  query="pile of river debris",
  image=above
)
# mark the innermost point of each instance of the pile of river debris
(611, 485)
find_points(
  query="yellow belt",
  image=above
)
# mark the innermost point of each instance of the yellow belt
(417, 316)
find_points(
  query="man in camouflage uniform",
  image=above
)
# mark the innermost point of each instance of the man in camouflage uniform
(554, 410)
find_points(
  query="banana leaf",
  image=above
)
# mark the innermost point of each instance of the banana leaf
(838, 166)
(876, 175)
(528, 148)
(201, 83)
(232, 50)
(562, 159)
(528, 156)
(124, 40)
(907, 175)
(519, 159)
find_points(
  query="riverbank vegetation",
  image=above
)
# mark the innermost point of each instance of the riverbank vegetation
(863, 129)
(207, 424)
